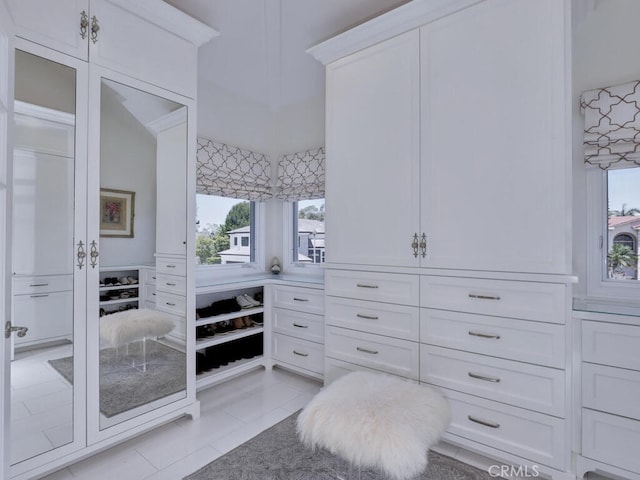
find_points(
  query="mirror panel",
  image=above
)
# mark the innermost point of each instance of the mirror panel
(142, 345)
(43, 256)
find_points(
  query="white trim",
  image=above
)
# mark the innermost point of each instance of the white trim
(43, 113)
(170, 120)
(399, 20)
(172, 19)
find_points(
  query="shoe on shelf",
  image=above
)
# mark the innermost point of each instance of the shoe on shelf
(132, 280)
(247, 322)
(244, 302)
(238, 323)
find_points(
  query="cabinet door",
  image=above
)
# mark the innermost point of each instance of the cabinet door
(53, 23)
(372, 173)
(128, 43)
(495, 165)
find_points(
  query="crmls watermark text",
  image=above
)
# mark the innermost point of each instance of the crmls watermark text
(509, 471)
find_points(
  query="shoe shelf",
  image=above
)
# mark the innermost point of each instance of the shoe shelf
(228, 316)
(207, 379)
(220, 338)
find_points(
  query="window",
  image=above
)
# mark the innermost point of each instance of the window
(308, 231)
(221, 221)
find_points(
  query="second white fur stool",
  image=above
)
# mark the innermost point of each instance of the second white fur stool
(376, 421)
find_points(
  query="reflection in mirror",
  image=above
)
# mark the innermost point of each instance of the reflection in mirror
(142, 349)
(43, 222)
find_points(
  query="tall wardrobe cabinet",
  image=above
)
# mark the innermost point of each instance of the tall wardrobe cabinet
(106, 88)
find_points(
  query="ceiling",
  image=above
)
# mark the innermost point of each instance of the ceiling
(260, 53)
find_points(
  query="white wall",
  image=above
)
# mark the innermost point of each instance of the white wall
(605, 53)
(128, 162)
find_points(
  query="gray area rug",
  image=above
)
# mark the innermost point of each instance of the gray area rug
(276, 454)
(123, 386)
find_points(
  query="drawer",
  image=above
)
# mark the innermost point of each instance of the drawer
(611, 344)
(300, 353)
(148, 276)
(171, 266)
(544, 302)
(334, 369)
(526, 386)
(149, 293)
(302, 299)
(43, 283)
(530, 435)
(391, 355)
(610, 389)
(306, 326)
(171, 303)
(611, 439)
(171, 284)
(522, 340)
(47, 316)
(397, 321)
(379, 287)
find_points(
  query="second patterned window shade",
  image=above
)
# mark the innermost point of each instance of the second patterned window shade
(229, 171)
(301, 176)
(612, 125)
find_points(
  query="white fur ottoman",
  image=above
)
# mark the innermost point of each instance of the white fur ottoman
(376, 421)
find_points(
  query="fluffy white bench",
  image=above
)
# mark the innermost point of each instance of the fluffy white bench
(122, 328)
(376, 421)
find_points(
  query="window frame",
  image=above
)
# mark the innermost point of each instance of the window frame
(598, 285)
(257, 241)
(290, 246)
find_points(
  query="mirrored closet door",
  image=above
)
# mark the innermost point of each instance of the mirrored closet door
(48, 262)
(136, 315)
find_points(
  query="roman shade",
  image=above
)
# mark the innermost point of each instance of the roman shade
(612, 125)
(233, 172)
(301, 176)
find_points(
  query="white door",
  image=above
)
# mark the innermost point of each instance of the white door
(6, 99)
(373, 158)
(494, 125)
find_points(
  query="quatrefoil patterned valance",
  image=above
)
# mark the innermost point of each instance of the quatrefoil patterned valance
(612, 125)
(232, 172)
(301, 176)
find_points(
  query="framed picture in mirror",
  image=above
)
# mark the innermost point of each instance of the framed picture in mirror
(116, 213)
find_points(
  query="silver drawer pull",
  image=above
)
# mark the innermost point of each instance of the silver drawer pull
(484, 335)
(39, 285)
(484, 297)
(366, 285)
(366, 350)
(368, 317)
(153, 294)
(171, 284)
(296, 299)
(483, 422)
(295, 352)
(170, 304)
(300, 326)
(171, 266)
(483, 377)
(42, 295)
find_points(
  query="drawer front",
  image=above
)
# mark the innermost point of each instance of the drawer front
(610, 389)
(302, 299)
(544, 302)
(530, 435)
(611, 439)
(148, 276)
(300, 353)
(306, 326)
(171, 284)
(171, 266)
(168, 302)
(523, 340)
(390, 355)
(527, 386)
(611, 344)
(150, 293)
(397, 321)
(40, 284)
(379, 287)
(46, 315)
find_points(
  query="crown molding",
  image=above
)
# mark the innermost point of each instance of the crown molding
(170, 18)
(399, 20)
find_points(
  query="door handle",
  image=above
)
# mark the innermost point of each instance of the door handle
(8, 328)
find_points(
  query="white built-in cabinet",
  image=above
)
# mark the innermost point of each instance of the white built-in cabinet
(133, 57)
(448, 179)
(452, 135)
